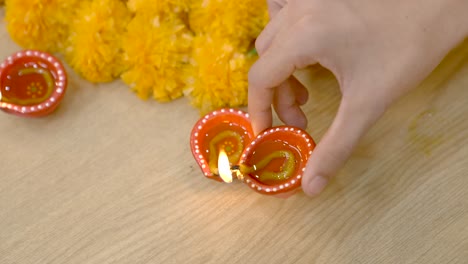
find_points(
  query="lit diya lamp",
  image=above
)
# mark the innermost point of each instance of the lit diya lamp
(272, 163)
(32, 83)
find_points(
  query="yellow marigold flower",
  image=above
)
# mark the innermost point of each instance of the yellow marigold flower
(240, 21)
(218, 76)
(39, 24)
(155, 54)
(158, 7)
(166, 10)
(95, 43)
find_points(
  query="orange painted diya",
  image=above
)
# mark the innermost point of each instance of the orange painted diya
(272, 163)
(32, 83)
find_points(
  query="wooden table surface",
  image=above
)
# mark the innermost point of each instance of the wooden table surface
(110, 179)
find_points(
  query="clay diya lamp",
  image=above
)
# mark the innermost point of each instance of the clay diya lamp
(272, 163)
(32, 83)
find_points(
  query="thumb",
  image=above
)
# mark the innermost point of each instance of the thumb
(350, 124)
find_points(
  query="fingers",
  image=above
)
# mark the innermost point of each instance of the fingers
(271, 30)
(286, 103)
(331, 153)
(300, 91)
(274, 6)
(286, 53)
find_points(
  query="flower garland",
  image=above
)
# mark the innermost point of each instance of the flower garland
(162, 49)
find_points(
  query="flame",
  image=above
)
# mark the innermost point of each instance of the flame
(223, 167)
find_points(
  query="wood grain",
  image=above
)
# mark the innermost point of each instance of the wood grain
(110, 179)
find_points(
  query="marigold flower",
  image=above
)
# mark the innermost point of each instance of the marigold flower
(240, 21)
(158, 7)
(156, 53)
(39, 24)
(95, 42)
(218, 75)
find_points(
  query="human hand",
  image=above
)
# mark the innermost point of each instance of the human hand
(377, 50)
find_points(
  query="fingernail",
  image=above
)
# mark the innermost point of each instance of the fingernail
(316, 186)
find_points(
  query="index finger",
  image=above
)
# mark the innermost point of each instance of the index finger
(273, 68)
(266, 74)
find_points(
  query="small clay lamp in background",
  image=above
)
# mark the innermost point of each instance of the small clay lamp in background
(224, 146)
(32, 83)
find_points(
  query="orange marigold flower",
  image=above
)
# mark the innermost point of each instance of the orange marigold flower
(156, 51)
(218, 75)
(95, 43)
(39, 24)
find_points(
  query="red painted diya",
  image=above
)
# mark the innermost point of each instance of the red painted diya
(32, 83)
(272, 163)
